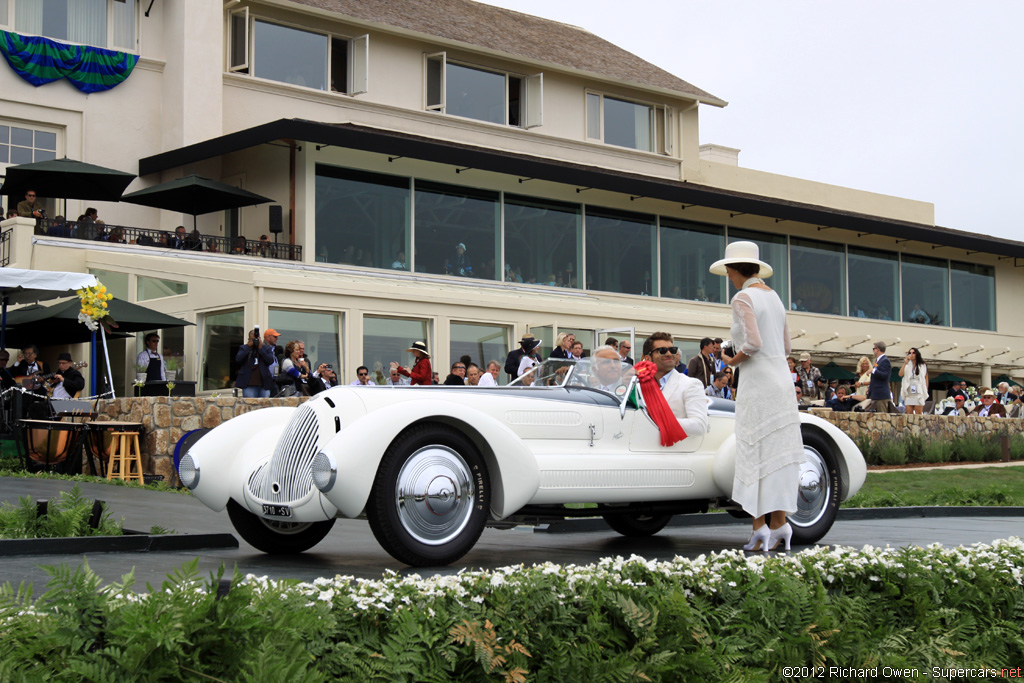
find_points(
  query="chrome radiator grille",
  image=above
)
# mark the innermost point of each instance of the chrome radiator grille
(286, 477)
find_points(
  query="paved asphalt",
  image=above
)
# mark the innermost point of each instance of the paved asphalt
(351, 549)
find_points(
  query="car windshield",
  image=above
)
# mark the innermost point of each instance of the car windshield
(595, 373)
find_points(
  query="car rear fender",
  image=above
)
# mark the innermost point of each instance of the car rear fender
(357, 451)
(228, 453)
(852, 467)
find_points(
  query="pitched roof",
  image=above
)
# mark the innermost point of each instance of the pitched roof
(516, 34)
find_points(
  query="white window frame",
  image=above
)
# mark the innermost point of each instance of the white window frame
(7, 23)
(358, 77)
(531, 103)
(662, 120)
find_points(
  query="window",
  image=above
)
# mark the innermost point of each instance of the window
(118, 284)
(222, 334)
(620, 252)
(21, 145)
(925, 290)
(482, 343)
(319, 331)
(99, 23)
(874, 284)
(171, 347)
(156, 288)
(450, 220)
(687, 251)
(543, 242)
(483, 94)
(973, 294)
(773, 249)
(818, 276)
(362, 218)
(386, 340)
(629, 124)
(287, 54)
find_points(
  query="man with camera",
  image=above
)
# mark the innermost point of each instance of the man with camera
(810, 378)
(257, 363)
(31, 208)
(323, 379)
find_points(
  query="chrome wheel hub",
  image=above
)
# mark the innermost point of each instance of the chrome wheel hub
(434, 495)
(814, 489)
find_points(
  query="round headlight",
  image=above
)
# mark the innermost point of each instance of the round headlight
(324, 471)
(188, 472)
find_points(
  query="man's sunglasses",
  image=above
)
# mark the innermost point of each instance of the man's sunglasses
(667, 349)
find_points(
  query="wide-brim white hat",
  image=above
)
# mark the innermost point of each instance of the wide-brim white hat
(741, 252)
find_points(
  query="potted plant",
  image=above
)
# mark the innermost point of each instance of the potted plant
(172, 366)
(140, 373)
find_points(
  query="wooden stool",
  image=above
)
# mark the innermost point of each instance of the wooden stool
(124, 450)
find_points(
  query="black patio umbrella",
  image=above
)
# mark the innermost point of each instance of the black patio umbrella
(66, 179)
(194, 195)
(58, 324)
(833, 371)
(1006, 378)
(945, 378)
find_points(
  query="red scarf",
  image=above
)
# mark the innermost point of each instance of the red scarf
(657, 406)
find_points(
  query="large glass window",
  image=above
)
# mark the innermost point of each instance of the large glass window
(482, 94)
(319, 331)
(482, 343)
(222, 335)
(456, 230)
(925, 290)
(19, 145)
(78, 21)
(362, 218)
(620, 252)
(773, 251)
(118, 284)
(687, 251)
(818, 276)
(386, 340)
(476, 94)
(874, 283)
(543, 241)
(158, 288)
(290, 55)
(171, 347)
(619, 122)
(973, 295)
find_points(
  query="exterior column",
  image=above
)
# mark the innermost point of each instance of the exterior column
(986, 375)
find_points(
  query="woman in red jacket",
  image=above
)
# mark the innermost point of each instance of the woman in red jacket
(420, 373)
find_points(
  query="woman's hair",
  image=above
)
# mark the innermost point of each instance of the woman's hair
(916, 353)
(790, 359)
(745, 269)
(861, 362)
(290, 347)
(560, 339)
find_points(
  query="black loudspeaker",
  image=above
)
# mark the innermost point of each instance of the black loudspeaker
(276, 225)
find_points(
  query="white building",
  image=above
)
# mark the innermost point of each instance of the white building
(389, 132)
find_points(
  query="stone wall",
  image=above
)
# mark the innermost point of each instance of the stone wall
(877, 426)
(165, 419)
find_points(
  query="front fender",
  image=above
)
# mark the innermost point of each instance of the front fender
(227, 454)
(357, 451)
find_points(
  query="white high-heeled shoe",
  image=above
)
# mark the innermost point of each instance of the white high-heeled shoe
(783, 534)
(760, 535)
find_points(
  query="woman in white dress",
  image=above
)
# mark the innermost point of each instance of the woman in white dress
(769, 447)
(914, 391)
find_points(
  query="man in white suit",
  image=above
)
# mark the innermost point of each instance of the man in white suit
(684, 395)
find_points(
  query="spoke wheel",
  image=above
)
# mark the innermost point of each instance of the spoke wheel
(430, 498)
(818, 495)
(274, 536)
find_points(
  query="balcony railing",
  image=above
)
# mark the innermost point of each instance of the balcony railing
(146, 237)
(5, 247)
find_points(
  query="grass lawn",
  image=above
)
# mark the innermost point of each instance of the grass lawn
(947, 486)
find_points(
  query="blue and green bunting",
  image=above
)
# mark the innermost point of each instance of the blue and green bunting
(41, 60)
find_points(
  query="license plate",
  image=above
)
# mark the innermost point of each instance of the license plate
(277, 510)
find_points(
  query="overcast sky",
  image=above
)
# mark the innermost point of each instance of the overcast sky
(915, 99)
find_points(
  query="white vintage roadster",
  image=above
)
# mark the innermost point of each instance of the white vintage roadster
(430, 467)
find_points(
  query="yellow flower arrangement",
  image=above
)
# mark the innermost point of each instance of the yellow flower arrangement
(94, 305)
